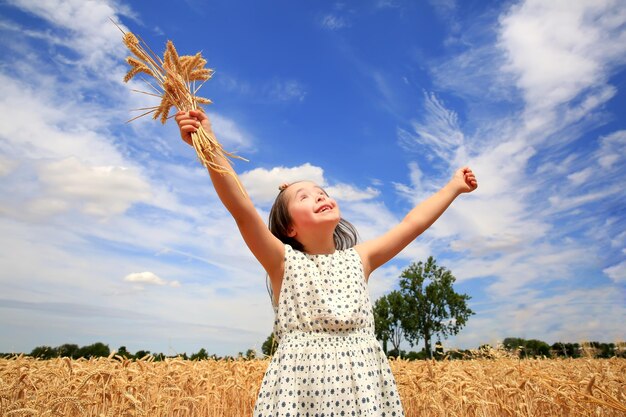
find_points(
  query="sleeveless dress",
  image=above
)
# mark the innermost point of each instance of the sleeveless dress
(328, 362)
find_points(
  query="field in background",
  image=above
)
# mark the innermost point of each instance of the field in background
(176, 387)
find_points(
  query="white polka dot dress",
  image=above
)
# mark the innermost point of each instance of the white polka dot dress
(328, 362)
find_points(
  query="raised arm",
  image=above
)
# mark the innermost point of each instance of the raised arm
(376, 252)
(267, 249)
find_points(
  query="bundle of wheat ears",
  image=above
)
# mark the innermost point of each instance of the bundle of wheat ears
(178, 79)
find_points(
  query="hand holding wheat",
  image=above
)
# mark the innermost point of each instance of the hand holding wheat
(189, 123)
(174, 82)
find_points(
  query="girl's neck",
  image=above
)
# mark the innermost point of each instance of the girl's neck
(319, 247)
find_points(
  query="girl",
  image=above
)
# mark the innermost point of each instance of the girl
(328, 361)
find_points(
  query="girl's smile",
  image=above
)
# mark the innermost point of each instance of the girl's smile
(311, 209)
(324, 208)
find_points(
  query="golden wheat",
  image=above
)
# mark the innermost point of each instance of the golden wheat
(175, 79)
(116, 386)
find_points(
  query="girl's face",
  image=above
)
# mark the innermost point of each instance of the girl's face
(311, 208)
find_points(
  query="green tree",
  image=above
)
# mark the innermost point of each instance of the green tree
(568, 350)
(68, 350)
(433, 307)
(537, 348)
(514, 343)
(388, 315)
(44, 352)
(141, 353)
(202, 354)
(124, 353)
(602, 350)
(269, 346)
(532, 348)
(96, 350)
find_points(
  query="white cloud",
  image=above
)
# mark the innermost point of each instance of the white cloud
(371, 218)
(274, 90)
(568, 203)
(6, 165)
(90, 31)
(567, 314)
(612, 149)
(62, 156)
(149, 278)
(438, 134)
(334, 22)
(42, 124)
(512, 236)
(386, 96)
(617, 272)
(578, 178)
(382, 281)
(262, 184)
(66, 156)
(557, 50)
(346, 192)
(72, 165)
(229, 134)
(494, 215)
(418, 190)
(98, 190)
(474, 73)
(619, 240)
(579, 314)
(286, 90)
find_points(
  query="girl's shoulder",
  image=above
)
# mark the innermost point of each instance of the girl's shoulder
(293, 254)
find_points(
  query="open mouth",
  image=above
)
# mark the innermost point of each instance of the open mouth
(324, 208)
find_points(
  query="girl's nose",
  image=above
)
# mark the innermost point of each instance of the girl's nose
(320, 197)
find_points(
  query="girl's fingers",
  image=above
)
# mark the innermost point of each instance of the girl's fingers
(470, 178)
(191, 115)
(188, 125)
(181, 115)
(188, 129)
(189, 122)
(197, 115)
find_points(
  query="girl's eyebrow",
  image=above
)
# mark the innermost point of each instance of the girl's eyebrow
(304, 188)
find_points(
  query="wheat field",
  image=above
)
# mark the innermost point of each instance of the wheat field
(174, 387)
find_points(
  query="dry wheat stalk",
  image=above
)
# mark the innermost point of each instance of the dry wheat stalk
(176, 79)
(218, 388)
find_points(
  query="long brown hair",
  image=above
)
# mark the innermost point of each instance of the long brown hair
(345, 235)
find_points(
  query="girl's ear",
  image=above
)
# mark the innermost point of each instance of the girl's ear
(291, 232)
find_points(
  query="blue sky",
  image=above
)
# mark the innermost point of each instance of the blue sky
(112, 232)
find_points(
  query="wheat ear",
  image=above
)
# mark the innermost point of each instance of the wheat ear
(176, 78)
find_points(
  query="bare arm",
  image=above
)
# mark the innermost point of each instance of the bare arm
(377, 252)
(267, 249)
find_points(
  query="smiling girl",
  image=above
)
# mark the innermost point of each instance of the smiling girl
(328, 361)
